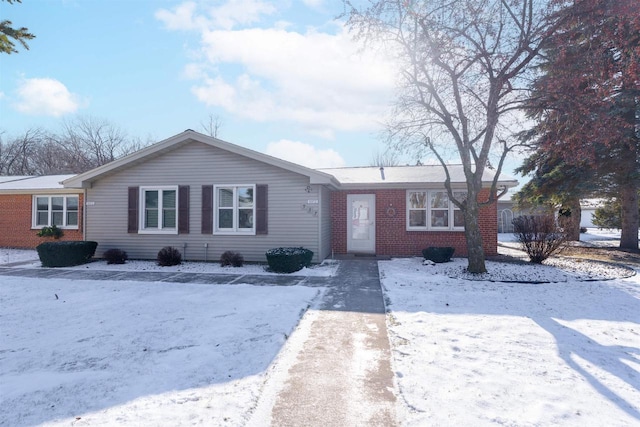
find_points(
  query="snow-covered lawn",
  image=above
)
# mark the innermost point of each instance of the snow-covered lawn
(490, 353)
(9, 256)
(77, 352)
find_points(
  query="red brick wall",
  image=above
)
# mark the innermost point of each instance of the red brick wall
(392, 237)
(16, 219)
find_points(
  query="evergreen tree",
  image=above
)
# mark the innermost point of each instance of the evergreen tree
(8, 32)
(587, 102)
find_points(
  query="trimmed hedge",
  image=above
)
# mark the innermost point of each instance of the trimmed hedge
(288, 260)
(115, 256)
(66, 254)
(438, 254)
(234, 259)
(169, 256)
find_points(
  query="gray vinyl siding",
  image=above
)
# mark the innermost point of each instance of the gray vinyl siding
(325, 222)
(195, 165)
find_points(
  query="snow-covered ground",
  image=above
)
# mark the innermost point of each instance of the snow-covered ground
(8, 256)
(465, 351)
(478, 353)
(78, 352)
(593, 236)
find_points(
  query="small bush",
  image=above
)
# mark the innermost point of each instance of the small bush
(115, 256)
(65, 254)
(169, 256)
(539, 236)
(288, 260)
(438, 254)
(52, 231)
(234, 259)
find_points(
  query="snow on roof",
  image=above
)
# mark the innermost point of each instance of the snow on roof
(14, 178)
(45, 182)
(408, 175)
(592, 203)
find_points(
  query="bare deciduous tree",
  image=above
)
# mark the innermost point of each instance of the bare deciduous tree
(84, 143)
(463, 67)
(213, 125)
(89, 142)
(17, 153)
(384, 159)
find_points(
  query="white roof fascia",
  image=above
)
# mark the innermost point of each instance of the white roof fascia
(85, 180)
(42, 191)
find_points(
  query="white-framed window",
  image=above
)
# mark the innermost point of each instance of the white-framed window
(159, 210)
(59, 210)
(432, 210)
(235, 209)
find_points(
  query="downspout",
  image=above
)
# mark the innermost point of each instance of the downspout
(320, 223)
(84, 214)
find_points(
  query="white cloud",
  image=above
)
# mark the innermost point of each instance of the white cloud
(318, 80)
(181, 18)
(313, 3)
(46, 97)
(305, 154)
(226, 16)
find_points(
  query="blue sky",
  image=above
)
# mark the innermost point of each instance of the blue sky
(284, 76)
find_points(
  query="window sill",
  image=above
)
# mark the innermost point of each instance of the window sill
(157, 231)
(234, 233)
(450, 230)
(40, 227)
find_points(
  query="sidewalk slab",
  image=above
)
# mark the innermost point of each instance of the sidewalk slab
(342, 375)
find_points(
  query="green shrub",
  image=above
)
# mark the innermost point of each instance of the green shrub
(231, 258)
(52, 231)
(288, 260)
(169, 256)
(66, 254)
(609, 215)
(115, 256)
(438, 254)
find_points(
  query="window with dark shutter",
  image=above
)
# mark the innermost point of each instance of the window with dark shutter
(132, 221)
(262, 204)
(183, 209)
(207, 209)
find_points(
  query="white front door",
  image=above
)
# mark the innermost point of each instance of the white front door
(361, 220)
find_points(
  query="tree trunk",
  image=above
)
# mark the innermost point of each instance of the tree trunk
(475, 250)
(571, 224)
(630, 221)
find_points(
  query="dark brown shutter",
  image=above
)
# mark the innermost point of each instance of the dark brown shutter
(132, 221)
(183, 209)
(262, 211)
(207, 209)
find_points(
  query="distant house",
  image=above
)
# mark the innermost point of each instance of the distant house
(205, 196)
(29, 203)
(588, 209)
(506, 213)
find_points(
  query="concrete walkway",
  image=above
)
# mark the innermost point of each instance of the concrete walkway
(341, 375)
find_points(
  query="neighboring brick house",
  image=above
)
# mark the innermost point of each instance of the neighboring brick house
(29, 203)
(206, 196)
